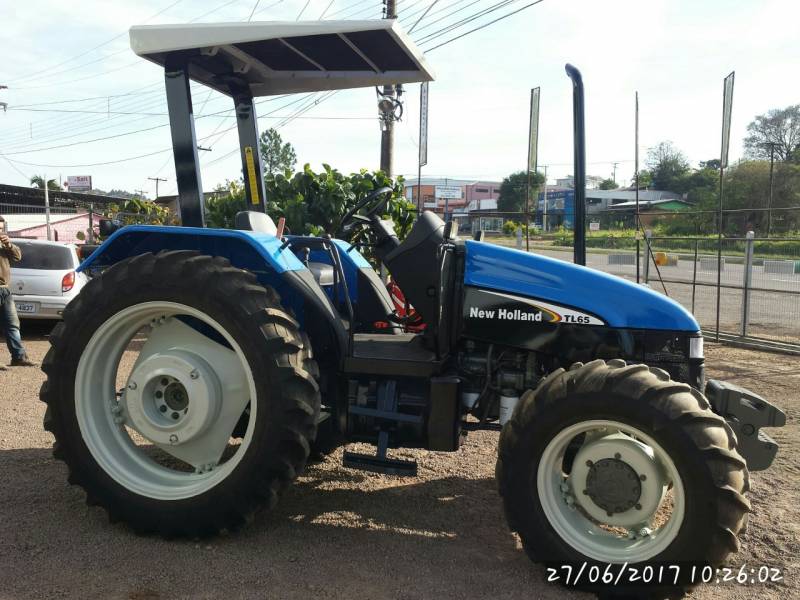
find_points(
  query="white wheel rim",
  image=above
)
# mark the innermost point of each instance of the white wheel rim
(220, 378)
(572, 524)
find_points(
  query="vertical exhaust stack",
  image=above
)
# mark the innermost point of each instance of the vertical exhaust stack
(579, 142)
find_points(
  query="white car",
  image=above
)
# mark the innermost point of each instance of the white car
(45, 280)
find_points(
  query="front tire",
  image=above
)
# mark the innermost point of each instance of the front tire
(609, 463)
(239, 349)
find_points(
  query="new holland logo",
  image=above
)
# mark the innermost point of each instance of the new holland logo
(502, 313)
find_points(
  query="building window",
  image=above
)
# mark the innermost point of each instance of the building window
(482, 190)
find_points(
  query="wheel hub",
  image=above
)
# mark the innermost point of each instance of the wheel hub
(613, 485)
(617, 480)
(172, 397)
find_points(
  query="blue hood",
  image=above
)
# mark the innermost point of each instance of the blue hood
(620, 303)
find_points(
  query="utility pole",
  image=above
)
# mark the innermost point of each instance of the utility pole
(387, 104)
(47, 209)
(769, 199)
(544, 202)
(614, 174)
(156, 179)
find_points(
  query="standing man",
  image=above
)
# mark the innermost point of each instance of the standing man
(9, 321)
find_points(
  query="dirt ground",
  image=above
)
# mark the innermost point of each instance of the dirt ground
(340, 533)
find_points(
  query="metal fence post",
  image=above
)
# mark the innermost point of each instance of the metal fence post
(747, 280)
(647, 245)
(694, 274)
(519, 239)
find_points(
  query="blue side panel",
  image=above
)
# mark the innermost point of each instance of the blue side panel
(245, 249)
(620, 303)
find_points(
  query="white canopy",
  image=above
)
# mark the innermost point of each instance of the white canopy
(280, 57)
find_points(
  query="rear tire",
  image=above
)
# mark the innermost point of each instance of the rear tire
(677, 418)
(271, 344)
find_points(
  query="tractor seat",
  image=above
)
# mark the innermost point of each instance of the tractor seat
(251, 220)
(404, 354)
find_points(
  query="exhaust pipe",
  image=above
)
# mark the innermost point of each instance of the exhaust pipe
(579, 143)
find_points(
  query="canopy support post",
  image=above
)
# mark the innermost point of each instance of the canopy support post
(184, 142)
(247, 124)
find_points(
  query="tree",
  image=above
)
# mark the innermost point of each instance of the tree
(712, 164)
(668, 166)
(276, 155)
(38, 181)
(778, 128)
(311, 202)
(645, 180)
(513, 188)
(608, 184)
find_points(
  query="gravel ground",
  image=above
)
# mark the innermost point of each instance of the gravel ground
(340, 533)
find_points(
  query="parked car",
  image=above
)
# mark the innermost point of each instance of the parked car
(45, 280)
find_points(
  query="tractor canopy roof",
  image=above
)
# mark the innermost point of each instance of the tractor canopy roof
(280, 57)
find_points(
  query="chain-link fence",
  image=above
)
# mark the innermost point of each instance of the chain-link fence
(743, 286)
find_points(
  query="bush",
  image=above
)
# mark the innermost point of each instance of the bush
(510, 228)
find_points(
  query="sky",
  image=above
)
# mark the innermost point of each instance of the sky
(675, 53)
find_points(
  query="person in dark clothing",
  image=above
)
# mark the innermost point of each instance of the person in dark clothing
(9, 321)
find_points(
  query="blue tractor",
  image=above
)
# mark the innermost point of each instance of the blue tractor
(193, 377)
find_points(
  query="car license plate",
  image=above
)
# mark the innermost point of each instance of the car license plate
(26, 307)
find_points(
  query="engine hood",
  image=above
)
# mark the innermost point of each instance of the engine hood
(618, 302)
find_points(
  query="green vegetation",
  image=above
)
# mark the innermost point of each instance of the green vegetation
(312, 202)
(513, 188)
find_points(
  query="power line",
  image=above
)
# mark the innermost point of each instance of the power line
(483, 26)
(113, 39)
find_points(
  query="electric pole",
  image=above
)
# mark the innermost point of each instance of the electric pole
(769, 200)
(614, 174)
(387, 107)
(156, 179)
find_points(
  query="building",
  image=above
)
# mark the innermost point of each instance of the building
(592, 182)
(63, 227)
(452, 197)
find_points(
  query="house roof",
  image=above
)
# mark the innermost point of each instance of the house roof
(649, 203)
(283, 57)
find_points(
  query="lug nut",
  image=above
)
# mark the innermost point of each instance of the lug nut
(645, 532)
(175, 416)
(643, 477)
(589, 463)
(585, 492)
(194, 374)
(638, 507)
(173, 439)
(617, 455)
(132, 385)
(163, 408)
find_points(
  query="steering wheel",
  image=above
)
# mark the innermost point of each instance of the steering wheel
(351, 217)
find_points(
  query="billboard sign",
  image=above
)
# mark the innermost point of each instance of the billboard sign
(423, 125)
(533, 131)
(79, 183)
(727, 106)
(452, 192)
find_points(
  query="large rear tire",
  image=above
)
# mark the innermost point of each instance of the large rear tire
(241, 350)
(609, 463)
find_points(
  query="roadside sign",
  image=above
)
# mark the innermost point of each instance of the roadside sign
(79, 183)
(423, 125)
(594, 226)
(533, 131)
(452, 192)
(727, 106)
